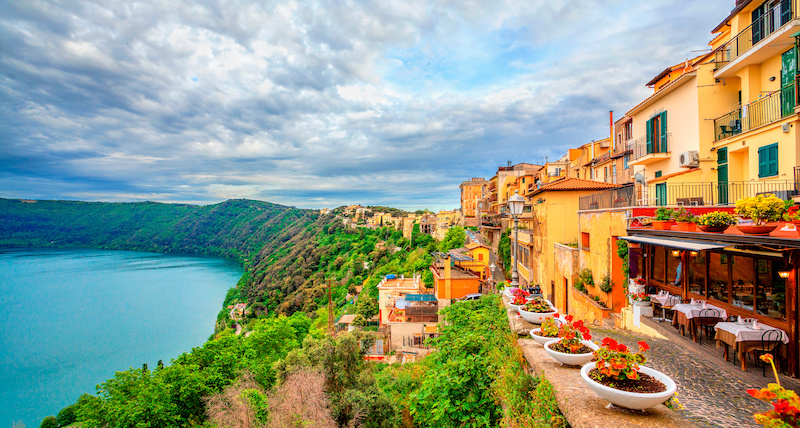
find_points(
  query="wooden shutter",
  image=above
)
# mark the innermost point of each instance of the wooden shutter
(758, 24)
(650, 136)
(786, 11)
(762, 162)
(663, 134)
(772, 159)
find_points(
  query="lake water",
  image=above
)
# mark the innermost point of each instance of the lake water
(71, 318)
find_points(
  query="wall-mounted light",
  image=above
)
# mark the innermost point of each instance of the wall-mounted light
(772, 79)
(693, 253)
(676, 253)
(784, 273)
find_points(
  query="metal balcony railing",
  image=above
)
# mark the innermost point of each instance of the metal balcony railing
(688, 194)
(640, 149)
(770, 108)
(758, 30)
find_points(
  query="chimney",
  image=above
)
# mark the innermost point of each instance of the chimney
(611, 128)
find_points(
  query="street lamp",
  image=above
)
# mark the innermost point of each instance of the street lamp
(515, 204)
(492, 268)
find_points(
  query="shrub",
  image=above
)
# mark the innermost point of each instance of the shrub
(716, 218)
(664, 213)
(607, 284)
(761, 209)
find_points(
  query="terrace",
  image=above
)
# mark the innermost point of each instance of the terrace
(688, 194)
(769, 109)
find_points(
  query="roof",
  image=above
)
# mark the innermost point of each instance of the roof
(740, 4)
(473, 245)
(347, 319)
(420, 298)
(571, 183)
(674, 174)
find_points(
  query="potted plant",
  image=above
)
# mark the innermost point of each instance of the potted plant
(547, 332)
(663, 219)
(684, 220)
(785, 403)
(762, 209)
(574, 345)
(618, 377)
(517, 301)
(620, 202)
(594, 205)
(716, 221)
(536, 310)
(640, 299)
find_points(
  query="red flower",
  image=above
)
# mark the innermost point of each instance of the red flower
(568, 318)
(609, 342)
(555, 315)
(643, 346)
(622, 348)
(587, 336)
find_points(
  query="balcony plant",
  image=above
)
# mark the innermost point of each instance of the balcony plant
(640, 299)
(785, 403)
(716, 221)
(761, 209)
(684, 220)
(663, 219)
(547, 332)
(536, 310)
(619, 377)
(574, 345)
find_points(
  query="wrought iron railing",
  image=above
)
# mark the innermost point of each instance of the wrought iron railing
(771, 108)
(688, 194)
(640, 149)
(758, 30)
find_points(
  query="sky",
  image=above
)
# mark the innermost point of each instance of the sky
(317, 103)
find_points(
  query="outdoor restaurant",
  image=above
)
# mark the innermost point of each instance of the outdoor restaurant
(737, 289)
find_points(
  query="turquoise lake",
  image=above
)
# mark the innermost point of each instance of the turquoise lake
(71, 318)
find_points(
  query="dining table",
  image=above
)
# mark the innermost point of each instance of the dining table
(685, 313)
(743, 338)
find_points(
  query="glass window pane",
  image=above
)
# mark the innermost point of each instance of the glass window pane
(718, 275)
(658, 264)
(673, 271)
(771, 298)
(743, 286)
(697, 273)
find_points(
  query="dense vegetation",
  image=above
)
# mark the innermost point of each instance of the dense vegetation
(234, 229)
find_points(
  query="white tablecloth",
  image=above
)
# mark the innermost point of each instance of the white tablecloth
(692, 311)
(662, 299)
(745, 332)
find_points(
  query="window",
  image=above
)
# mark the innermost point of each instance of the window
(584, 240)
(657, 134)
(658, 174)
(768, 161)
(628, 130)
(625, 161)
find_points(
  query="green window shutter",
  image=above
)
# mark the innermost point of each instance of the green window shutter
(650, 136)
(663, 134)
(763, 161)
(722, 155)
(772, 153)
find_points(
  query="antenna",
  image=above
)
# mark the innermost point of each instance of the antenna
(638, 178)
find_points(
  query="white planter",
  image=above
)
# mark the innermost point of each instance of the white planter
(571, 359)
(639, 303)
(536, 317)
(514, 307)
(631, 400)
(540, 339)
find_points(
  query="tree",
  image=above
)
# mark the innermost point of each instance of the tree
(366, 306)
(455, 238)
(49, 422)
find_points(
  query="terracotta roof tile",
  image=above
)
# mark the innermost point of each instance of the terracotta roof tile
(570, 183)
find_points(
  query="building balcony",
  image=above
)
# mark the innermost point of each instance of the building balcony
(643, 153)
(687, 194)
(769, 109)
(765, 38)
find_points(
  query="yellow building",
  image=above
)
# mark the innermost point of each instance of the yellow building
(755, 60)
(471, 193)
(553, 219)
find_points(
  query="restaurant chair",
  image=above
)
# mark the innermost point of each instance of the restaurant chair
(770, 343)
(706, 321)
(668, 305)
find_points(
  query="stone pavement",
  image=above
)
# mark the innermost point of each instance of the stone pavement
(711, 391)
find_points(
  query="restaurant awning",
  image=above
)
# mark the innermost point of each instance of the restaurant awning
(683, 244)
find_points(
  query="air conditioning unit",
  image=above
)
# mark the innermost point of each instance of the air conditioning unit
(786, 127)
(689, 159)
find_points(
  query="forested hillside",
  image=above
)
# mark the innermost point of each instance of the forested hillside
(234, 229)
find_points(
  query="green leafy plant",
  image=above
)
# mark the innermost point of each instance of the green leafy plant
(664, 213)
(585, 278)
(549, 328)
(716, 218)
(622, 252)
(614, 360)
(606, 285)
(682, 215)
(761, 209)
(538, 305)
(786, 404)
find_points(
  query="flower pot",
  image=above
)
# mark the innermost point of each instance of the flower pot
(641, 303)
(756, 230)
(542, 340)
(662, 224)
(571, 359)
(631, 400)
(712, 229)
(536, 317)
(514, 307)
(685, 226)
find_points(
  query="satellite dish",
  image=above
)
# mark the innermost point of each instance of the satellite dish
(638, 178)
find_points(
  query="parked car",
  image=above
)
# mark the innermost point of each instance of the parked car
(471, 296)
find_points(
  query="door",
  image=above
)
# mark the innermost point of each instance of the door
(661, 194)
(722, 175)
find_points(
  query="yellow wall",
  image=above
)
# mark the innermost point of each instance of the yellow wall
(602, 226)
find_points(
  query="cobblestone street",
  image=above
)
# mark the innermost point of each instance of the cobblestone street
(713, 392)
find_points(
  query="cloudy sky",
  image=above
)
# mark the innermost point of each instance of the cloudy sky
(317, 103)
